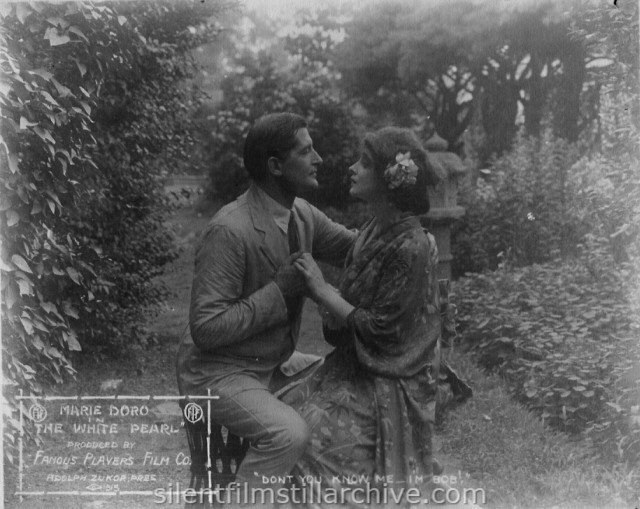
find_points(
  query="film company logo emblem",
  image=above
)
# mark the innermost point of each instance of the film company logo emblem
(37, 413)
(193, 412)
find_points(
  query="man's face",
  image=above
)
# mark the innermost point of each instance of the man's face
(300, 167)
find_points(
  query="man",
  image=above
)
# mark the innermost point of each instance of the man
(246, 299)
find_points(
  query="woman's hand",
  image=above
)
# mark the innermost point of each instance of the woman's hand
(312, 275)
(322, 292)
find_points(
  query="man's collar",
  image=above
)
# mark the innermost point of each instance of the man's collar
(279, 213)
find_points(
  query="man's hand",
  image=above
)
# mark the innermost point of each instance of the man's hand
(290, 281)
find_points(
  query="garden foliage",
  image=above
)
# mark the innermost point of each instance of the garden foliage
(94, 113)
(455, 65)
(519, 208)
(564, 335)
(559, 318)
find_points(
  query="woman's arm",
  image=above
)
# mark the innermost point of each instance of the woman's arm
(331, 241)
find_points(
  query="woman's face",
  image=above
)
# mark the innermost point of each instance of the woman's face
(365, 184)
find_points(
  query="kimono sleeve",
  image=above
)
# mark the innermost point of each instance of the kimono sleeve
(383, 324)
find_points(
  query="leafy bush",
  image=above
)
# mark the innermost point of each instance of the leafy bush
(519, 209)
(565, 336)
(94, 109)
(48, 275)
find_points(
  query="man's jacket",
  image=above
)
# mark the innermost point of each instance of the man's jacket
(238, 317)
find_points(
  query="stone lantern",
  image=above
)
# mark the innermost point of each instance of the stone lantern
(443, 198)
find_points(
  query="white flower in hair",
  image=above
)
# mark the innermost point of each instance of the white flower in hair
(403, 172)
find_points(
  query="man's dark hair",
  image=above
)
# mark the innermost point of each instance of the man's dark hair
(272, 135)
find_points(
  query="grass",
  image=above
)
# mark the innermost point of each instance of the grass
(520, 462)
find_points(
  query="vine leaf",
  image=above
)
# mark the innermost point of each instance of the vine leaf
(55, 39)
(21, 263)
(22, 12)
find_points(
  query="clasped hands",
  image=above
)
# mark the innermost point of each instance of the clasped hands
(300, 275)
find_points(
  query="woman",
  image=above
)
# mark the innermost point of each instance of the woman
(371, 406)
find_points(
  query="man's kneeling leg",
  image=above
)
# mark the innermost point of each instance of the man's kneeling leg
(276, 432)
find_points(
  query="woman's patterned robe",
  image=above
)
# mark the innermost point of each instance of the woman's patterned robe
(371, 406)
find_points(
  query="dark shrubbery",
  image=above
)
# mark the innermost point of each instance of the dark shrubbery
(94, 111)
(520, 209)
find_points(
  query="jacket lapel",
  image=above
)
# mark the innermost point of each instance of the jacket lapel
(271, 246)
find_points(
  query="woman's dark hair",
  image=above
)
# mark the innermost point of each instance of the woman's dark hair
(272, 135)
(383, 146)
